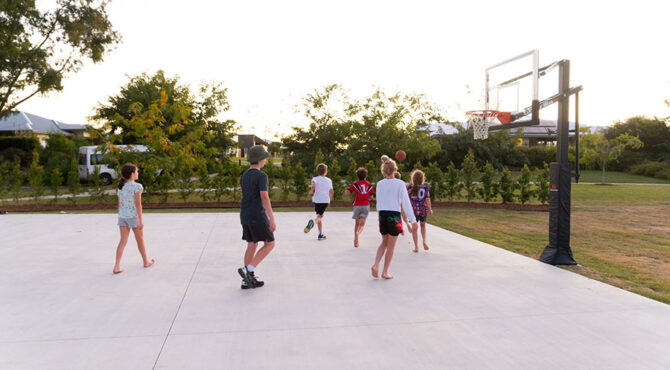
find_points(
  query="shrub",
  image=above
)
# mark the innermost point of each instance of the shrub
(16, 180)
(435, 177)
(489, 189)
(452, 183)
(300, 183)
(334, 174)
(649, 168)
(542, 184)
(469, 173)
(73, 184)
(523, 183)
(36, 177)
(506, 186)
(55, 180)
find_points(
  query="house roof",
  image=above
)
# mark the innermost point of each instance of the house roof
(23, 121)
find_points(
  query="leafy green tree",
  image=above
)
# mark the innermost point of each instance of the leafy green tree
(489, 189)
(271, 170)
(435, 177)
(220, 182)
(234, 173)
(300, 181)
(318, 158)
(653, 132)
(523, 183)
(374, 172)
(58, 153)
(597, 149)
(506, 186)
(336, 178)
(149, 179)
(165, 183)
(16, 179)
(42, 47)
(55, 181)
(204, 182)
(73, 184)
(183, 178)
(351, 174)
(98, 191)
(36, 177)
(469, 173)
(453, 183)
(4, 176)
(285, 172)
(542, 184)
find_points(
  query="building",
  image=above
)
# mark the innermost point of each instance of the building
(23, 123)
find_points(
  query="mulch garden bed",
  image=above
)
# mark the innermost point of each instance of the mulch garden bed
(301, 203)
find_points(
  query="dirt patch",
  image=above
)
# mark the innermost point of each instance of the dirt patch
(295, 203)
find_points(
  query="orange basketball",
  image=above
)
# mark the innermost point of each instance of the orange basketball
(400, 155)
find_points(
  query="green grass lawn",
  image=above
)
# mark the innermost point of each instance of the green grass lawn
(620, 234)
(619, 177)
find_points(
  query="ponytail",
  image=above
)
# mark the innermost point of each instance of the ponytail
(126, 172)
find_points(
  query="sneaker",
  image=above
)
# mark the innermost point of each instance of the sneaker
(245, 277)
(256, 283)
(244, 285)
(321, 237)
(310, 225)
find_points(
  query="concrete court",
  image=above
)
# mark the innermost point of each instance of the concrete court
(463, 305)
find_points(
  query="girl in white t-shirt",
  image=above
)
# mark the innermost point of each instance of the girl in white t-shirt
(391, 198)
(130, 214)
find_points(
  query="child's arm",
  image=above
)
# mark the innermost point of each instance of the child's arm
(331, 193)
(430, 207)
(265, 198)
(138, 206)
(311, 190)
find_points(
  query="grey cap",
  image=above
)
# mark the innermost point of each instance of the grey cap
(257, 153)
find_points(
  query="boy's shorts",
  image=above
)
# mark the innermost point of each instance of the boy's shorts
(361, 212)
(131, 223)
(390, 223)
(320, 208)
(420, 218)
(257, 232)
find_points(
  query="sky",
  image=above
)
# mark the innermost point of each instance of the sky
(270, 54)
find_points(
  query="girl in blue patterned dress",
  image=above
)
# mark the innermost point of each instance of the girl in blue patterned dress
(130, 214)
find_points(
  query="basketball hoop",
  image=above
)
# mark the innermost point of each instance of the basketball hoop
(481, 119)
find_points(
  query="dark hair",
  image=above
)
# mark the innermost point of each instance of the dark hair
(127, 171)
(417, 181)
(362, 173)
(321, 169)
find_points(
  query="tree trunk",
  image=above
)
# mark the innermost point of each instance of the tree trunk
(602, 180)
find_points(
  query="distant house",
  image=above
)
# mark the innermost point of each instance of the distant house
(23, 123)
(543, 134)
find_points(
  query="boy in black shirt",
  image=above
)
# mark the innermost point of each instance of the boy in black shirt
(258, 221)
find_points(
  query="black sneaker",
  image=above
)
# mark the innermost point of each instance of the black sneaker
(256, 283)
(321, 237)
(244, 285)
(245, 277)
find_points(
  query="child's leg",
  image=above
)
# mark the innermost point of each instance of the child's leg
(361, 225)
(250, 253)
(318, 222)
(262, 253)
(380, 254)
(415, 237)
(125, 232)
(356, 226)
(139, 237)
(390, 246)
(423, 235)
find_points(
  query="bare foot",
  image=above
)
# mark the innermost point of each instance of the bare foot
(150, 263)
(356, 242)
(117, 271)
(425, 247)
(375, 272)
(387, 276)
(415, 250)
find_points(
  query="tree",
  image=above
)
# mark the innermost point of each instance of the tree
(41, 48)
(300, 184)
(178, 112)
(453, 184)
(36, 177)
(285, 173)
(542, 184)
(271, 171)
(334, 174)
(469, 174)
(506, 186)
(4, 176)
(220, 182)
(204, 181)
(98, 192)
(654, 133)
(597, 149)
(55, 180)
(435, 176)
(489, 188)
(73, 184)
(523, 183)
(16, 180)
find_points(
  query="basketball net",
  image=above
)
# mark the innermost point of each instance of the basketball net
(481, 119)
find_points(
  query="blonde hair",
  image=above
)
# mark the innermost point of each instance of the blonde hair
(417, 180)
(388, 167)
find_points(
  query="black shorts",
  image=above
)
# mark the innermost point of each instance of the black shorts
(320, 208)
(258, 232)
(390, 222)
(420, 218)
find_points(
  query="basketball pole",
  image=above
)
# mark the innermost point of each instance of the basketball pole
(558, 251)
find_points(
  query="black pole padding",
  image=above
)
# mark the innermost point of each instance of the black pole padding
(558, 251)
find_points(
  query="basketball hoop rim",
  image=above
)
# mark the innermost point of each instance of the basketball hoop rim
(484, 112)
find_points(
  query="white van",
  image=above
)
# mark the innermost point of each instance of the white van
(89, 157)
